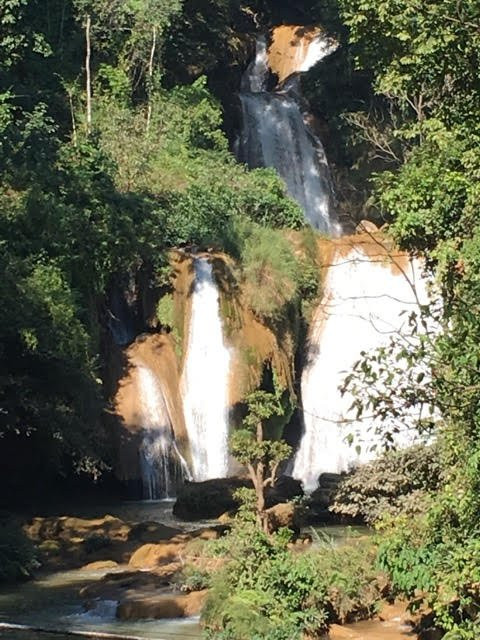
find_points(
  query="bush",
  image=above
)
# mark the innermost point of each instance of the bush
(398, 481)
(267, 591)
(193, 578)
(17, 554)
(95, 542)
(271, 272)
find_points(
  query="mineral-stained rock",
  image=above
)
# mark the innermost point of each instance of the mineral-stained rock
(283, 515)
(213, 498)
(152, 555)
(100, 565)
(137, 607)
(152, 532)
(209, 499)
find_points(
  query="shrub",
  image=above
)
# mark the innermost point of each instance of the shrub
(271, 272)
(266, 590)
(396, 482)
(17, 553)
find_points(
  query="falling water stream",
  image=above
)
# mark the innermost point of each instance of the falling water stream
(274, 134)
(161, 465)
(205, 378)
(364, 304)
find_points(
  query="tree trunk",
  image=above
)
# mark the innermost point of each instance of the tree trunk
(72, 115)
(88, 25)
(150, 76)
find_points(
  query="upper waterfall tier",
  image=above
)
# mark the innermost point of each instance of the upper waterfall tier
(205, 380)
(275, 134)
(297, 49)
(365, 296)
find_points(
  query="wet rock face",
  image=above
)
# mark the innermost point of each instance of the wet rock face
(209, 499)
(213, 498)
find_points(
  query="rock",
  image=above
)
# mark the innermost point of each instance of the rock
(213, 498)
(286, 488)
(70, 529)
(152, 555)
(366, 226)
(283, 515)
(100, 565)
(226, 518)
(138, 607)
(152, 532)
(116, 586)
(207, 500)
(320, 500)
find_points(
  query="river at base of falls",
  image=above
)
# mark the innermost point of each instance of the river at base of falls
(52, 601)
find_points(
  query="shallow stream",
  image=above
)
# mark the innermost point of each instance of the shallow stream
(52, 601)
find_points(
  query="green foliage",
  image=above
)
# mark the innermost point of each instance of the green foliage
(17, 553)
(423, 58)
(270, 271)
(264, 590)
(397, 482)
(193, 578)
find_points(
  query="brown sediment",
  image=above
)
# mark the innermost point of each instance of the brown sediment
(289, 48)
(393, 623)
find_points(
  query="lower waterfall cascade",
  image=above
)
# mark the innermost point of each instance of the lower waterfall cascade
(364, 303)
(162, 466)
(205, 379)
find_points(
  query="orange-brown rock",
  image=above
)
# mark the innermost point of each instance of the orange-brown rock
(289, 48)
(283, 515)
(366, 226)
(153, 555)
(161, 606)
(71, 529)
(100, 565)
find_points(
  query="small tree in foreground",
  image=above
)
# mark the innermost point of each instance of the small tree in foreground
(261, 456)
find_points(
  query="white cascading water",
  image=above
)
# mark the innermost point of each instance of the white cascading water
(161, 464)
(362, 307)
(274, 134)
(205, 379)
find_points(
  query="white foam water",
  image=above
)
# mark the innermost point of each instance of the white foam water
(363, 305)
(205, 379)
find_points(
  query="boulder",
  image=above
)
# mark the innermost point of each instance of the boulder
(119, 585)
(213, 498)
(100, 565)
(71, 529)
(320, 500)
(138, 607)
(152, 555)
(366, 226)
(207, 500)
(283, 515)
(286, 488)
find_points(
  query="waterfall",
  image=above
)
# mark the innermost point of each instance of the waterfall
(205, 379)
(363, 305)
(274, 134)
(162, 466)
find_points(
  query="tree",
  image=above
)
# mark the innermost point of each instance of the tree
(261, 456)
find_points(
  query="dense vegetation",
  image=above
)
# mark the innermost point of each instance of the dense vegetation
(105, 166)
(113, 150)
(424, 59)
